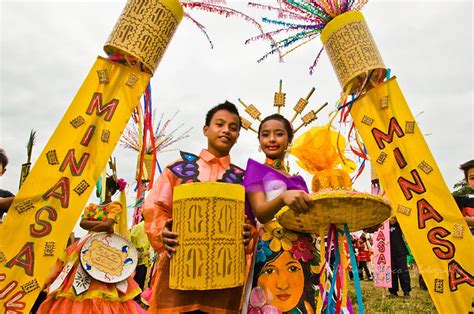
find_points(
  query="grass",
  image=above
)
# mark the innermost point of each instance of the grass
(419, 301)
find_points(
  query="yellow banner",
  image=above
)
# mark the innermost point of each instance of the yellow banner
(53, 196)
(432, 224)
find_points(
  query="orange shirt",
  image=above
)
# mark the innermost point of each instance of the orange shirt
(156, 210)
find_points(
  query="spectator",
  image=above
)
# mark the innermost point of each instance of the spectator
(466, 202)
(399, 252)
(363, 257)
(6, 197)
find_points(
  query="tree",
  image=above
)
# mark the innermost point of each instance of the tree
(461, 188)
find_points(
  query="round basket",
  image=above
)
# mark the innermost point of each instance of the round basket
(109, 258)
(357, 210)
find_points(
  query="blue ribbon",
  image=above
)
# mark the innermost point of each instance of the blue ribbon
(332, 307)
(355, 271)
(99, 188)
(158, 165)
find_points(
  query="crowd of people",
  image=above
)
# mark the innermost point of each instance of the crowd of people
(282, 275)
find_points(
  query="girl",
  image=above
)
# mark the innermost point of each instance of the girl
(99, 297)
(284, 277)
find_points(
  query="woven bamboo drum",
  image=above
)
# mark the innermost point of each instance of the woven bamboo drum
(208, 218)
(352, 50)
(144, 30)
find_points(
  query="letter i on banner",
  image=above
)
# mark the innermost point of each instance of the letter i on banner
(49, 203)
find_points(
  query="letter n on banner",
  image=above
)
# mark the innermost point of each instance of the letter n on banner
(433, 226)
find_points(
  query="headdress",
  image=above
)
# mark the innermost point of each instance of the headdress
(122, 225)
(279, 102)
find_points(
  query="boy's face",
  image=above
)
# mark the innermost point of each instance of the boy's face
(470, 177)
(222, 132)
(2, 169)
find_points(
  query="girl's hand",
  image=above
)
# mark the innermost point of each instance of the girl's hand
(109, 225)
(247, 233)
(298, 200)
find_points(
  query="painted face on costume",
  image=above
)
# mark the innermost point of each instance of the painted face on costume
(273, 139)
(222, 132)
(470, 177)
(283, 281)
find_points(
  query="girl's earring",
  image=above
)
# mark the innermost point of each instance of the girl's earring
(259, 148)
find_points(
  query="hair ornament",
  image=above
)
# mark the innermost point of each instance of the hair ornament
(122, 184)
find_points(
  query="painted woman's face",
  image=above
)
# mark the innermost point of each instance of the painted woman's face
(283, 282)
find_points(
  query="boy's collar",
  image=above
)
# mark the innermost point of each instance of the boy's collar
(207, 156)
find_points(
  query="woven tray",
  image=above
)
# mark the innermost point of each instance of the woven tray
(357, 210)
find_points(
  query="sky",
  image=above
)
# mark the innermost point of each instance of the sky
(48, 47)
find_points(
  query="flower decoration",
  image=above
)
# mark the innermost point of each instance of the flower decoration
(279, 238)
(301, 249)
(262, 251)
(121, 184)
(258, 303)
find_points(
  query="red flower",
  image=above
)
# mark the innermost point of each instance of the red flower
(302, 249)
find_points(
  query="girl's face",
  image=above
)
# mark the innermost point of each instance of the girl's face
(273, 139)
(283, 281)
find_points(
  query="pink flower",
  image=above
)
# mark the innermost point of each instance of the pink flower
(121, 184)
(302, 249)
(257, 304)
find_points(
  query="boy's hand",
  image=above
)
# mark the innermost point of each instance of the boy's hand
(298, 200)
(247, 233)
(169, 238)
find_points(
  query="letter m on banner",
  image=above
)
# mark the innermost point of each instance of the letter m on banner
(106, 110)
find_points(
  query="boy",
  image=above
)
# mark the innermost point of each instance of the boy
(466, 202)
(222, 129)
(6, 197)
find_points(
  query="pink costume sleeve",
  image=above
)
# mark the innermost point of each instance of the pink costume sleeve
(158, 208)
